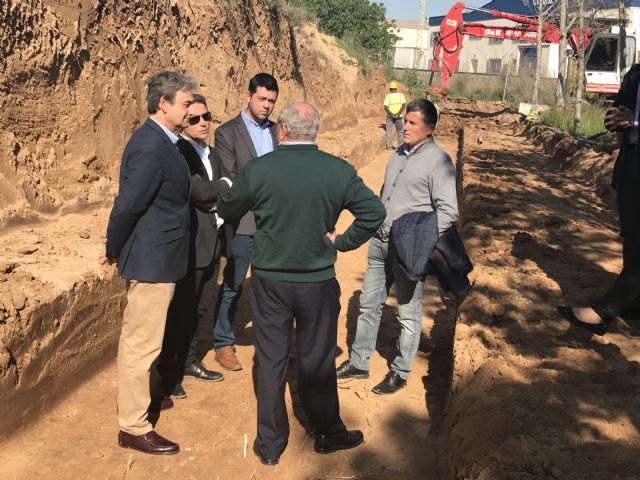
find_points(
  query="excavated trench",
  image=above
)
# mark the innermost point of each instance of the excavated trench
(530, 397)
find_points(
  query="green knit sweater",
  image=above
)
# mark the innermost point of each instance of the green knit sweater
(297, 193)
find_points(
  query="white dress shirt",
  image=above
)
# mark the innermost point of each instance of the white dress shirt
(204, 152)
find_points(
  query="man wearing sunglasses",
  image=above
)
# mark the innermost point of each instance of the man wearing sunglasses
(249, 135)
(188, 334)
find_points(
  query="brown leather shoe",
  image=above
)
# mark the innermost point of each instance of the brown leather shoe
(148, 443)
(227, 359)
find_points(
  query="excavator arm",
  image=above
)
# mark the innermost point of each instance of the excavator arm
(453, 29)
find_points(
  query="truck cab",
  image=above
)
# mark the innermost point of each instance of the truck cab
(603, 74)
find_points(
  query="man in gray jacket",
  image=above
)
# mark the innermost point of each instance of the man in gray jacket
(420, 177)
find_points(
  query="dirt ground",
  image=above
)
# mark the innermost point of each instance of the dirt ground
(504, 390)
(72, 88)
(509, 391)
(78, 438)
(531, 397)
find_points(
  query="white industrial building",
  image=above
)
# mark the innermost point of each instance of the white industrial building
(407, 53)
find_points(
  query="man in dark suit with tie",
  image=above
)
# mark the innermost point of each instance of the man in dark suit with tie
(249, 135)
(187, 338)
(147, 236)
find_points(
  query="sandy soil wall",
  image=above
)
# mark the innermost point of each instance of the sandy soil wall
(72, 89)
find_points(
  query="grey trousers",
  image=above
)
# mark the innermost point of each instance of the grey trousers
(399, 124)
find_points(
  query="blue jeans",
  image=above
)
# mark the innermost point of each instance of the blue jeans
(233, 277)
(382, 272)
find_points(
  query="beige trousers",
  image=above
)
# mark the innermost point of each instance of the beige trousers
(143, 325)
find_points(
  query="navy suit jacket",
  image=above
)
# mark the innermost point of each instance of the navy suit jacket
(415, 237)
(148, 231)
(626, 172)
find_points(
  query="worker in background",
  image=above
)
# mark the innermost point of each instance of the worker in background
(394, 104)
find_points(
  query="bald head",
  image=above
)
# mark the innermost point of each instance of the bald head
(299, 121)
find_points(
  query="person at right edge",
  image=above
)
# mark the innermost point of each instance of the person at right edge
(623, 298)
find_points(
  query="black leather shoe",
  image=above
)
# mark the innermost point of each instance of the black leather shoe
(338, 441)
(264, 460)
(179, 392)
(347, 370)
(148, 443)
(391, 383)
(197, 370)
(567, 313)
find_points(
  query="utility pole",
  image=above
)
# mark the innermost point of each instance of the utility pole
(562, 57)
(622, 37)
(536, 82)
(419, 51)
(577, 120)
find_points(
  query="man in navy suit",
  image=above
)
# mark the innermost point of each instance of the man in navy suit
(249, 135)
(148, 237)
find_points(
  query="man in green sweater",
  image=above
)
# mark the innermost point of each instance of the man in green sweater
(296, 194)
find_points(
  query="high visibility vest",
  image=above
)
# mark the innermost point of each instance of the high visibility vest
(394, 101)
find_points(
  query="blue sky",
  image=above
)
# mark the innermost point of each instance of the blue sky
(410, 9)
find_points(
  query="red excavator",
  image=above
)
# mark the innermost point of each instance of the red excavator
(601, 58)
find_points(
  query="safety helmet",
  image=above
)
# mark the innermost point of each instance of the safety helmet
(393, 85)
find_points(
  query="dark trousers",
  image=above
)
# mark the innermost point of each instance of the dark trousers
(624, 294)
(235, 271)
(205, 287)
(187, 336)
(315, 306)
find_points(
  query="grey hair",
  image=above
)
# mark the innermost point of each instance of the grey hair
(166, 84)
(301, 119)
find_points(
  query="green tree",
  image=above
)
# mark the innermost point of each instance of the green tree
(359, 21)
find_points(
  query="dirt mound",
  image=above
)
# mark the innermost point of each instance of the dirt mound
(72, 91)
(457, 113)
(581, 160)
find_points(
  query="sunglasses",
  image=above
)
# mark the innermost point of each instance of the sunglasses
(196, 118)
